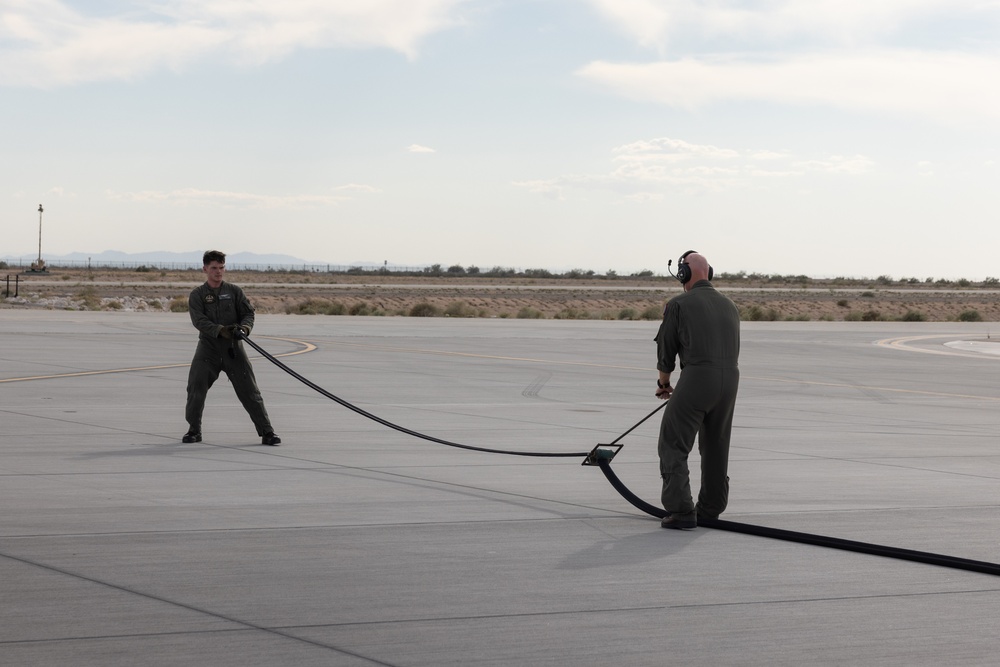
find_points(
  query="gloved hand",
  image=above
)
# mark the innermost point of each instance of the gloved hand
(241, 331)
(227, 332)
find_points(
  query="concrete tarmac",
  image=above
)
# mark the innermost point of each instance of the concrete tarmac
(354, 544)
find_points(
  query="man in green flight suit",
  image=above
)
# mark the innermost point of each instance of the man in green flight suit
(702, 327)
(222, 314)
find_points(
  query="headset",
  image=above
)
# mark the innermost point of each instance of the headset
(684, 271)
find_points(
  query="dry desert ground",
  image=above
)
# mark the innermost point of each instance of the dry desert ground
(387, 294)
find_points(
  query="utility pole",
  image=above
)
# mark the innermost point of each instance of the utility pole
(39, 265)
(40, 211)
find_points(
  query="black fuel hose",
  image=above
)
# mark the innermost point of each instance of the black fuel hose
(719, 524)
(397, 427)
(808, 538)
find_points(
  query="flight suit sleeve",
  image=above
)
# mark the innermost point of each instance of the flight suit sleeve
(199, 316)
(244, 310)
(668, 338)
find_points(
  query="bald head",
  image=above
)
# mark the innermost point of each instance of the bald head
(699, 268)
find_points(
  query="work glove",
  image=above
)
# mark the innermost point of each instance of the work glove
(241, 331)
(227, 332)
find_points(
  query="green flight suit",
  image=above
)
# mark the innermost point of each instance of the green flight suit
(211, 311)
(702, 328)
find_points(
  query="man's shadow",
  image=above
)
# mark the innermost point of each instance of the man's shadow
(159, 449)
(651, 544)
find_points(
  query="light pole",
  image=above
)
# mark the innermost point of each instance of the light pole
(40, 211)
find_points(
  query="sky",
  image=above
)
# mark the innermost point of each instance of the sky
(826, 138)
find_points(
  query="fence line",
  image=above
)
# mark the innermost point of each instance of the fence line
(230, 266)
(21, 265)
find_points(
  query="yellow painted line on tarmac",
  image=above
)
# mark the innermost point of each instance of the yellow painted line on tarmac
(903, 343)
(898, 343)
(306, 347)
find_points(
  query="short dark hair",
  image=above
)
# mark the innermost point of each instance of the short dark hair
(213, 256)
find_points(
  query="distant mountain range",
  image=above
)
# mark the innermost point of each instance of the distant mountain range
(158, 258)
(164, 256)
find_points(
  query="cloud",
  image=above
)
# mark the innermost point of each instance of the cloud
(947, 87)
(892, 57)
(265, 30)
(643, 197)
(194, 196)
(663, 23)
(49, 43)
(649, 169)
(417, 148)
(356, 187)
(768, 155)
(837, 164)
(46, 44)
(672, 150)
(550, 189)
(645, 21)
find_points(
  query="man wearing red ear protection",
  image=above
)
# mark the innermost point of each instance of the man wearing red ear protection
(701, 327)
